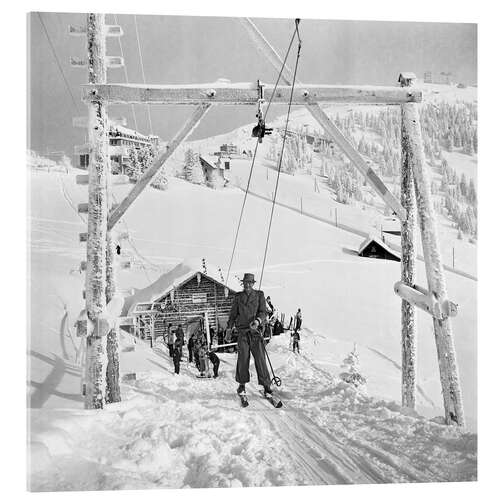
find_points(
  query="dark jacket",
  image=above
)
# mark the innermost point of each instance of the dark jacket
(247, 308)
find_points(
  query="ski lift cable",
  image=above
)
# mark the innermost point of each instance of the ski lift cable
(255, 154)
(142, 70)
(126, 72)
(281, 155)
(57, 61)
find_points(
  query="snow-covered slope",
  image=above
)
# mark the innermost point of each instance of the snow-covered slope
(312, 265)
(179, 431)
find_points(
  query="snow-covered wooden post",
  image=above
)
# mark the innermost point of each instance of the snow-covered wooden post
(408, 325)
(448, 367)
(112, 343)
(95, 295)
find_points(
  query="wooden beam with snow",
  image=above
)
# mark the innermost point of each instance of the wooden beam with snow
(408, 269)
(248, 94)
(443, 334)
(149, 174)
(331, 130)
(421, 298)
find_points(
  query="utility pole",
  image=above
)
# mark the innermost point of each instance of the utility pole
(96, 359)
(408, 325)
(437, 294)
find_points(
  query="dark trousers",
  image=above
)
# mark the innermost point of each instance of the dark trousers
(190, 349)
(170, 350)
(215, 362)
(249, 342)
(296, 345)
(177, 361)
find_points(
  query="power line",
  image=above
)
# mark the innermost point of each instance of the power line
(57, 61)
(142, 69)
(255, 155)
(126, 73)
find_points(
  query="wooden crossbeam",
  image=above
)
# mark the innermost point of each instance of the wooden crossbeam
(331, 130)
(248, 94)
(149, 174)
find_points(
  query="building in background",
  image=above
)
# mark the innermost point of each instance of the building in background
(121, 141)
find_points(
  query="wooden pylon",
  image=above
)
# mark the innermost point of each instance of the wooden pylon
(96, 359)
(408, 324)
(443, 334)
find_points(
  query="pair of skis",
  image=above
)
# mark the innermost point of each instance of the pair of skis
(275, 401)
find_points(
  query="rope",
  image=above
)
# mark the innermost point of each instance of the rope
(142, 69)
(126, 72)
(255, 155)
(281, 157)
(57, 61)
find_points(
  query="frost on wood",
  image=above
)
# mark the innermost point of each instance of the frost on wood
(97, 219)
(112, 344)
(448, 367)
(408, 325)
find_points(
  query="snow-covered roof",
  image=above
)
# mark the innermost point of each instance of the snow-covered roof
(212, 161)
(127, 131)
(408, 75)
(377, 240)
(176, 277)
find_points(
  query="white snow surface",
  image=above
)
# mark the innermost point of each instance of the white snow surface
(178, 431)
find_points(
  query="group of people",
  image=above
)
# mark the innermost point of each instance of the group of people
(198, 350)
(250, 313)
(200, 353)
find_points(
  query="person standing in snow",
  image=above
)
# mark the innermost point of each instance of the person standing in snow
(191, 348)
(214, 359)
(298, 320)
(248, 314)
(269, 307)
(177, 352)
(170, 339)
(179, 335)
(296, 340)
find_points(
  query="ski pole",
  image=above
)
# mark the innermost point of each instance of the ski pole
(275, 379)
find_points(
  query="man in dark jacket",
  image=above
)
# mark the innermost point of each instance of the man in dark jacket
(248, 314)
(177, 355)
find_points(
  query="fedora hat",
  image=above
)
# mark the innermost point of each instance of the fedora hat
(248, 277)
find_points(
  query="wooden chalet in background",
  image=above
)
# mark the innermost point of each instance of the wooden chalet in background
(375, 248)
(185, 294)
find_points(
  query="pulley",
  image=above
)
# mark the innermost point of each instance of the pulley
(260, 130)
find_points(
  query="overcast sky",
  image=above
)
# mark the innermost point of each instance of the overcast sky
(203, 49)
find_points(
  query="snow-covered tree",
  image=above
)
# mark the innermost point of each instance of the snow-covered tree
(193, 171)
(134, 169)
(351, 373)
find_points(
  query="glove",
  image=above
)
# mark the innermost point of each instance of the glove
(254, 325)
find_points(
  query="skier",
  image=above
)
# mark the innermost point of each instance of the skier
(214, 359)
(248, 313)
(296, 339)
(298, 320)
(269, 307)
(177, 353)
(170, 339)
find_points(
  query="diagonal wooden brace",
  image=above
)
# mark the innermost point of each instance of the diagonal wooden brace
(149, 174)
(331, 130)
